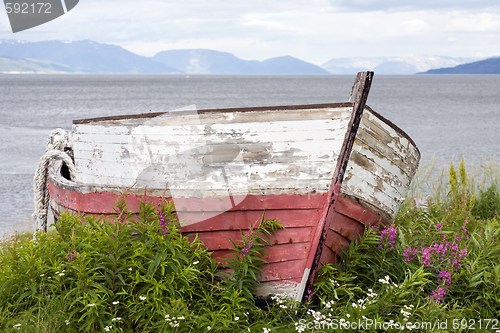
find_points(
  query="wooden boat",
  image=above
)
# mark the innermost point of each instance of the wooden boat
(324, 171)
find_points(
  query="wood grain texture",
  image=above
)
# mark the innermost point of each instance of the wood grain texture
(220, 153)
(381, 167)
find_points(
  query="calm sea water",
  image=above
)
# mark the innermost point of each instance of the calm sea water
(450, 116)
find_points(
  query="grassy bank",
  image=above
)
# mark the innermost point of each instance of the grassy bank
(437, 268)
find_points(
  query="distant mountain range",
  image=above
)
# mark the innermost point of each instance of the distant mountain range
(200, 61)
(91, 57)
(17, 65)
(391, 65)
(83, 56)
(487, 66)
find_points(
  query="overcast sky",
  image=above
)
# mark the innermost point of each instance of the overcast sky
(311, 30)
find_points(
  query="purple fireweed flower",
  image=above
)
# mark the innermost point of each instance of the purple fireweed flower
(388, 237)
(438, 294)
(410, 254)
(309, 291)
(445, 276)
(163, 224)
(71, 255)
(438, 225)
(246, 249)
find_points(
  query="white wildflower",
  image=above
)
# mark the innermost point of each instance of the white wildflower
(142, 298)
(334, 283)
(116, 302)
(117, 318)
(67, 322)
(92, 304)
(209, 328)
(130, 269)
(18, 326)
(108, 328)
(266, 330)
(196, 262)
(300, 327)
(236, 318)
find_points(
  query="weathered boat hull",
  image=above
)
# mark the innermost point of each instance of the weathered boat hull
(324, 171)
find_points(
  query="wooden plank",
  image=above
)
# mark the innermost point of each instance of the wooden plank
(219, 240)
(102, 202)
(354, 210)
(99, 150)
(236, 220)
(264, 115)
(347, 227)
(285, 270)
(306, 130)
(392, 135)
(336, 242)
(277, 253)
(271, 288)
(328, 256)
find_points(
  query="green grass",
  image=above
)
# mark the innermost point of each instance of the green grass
(437, 268)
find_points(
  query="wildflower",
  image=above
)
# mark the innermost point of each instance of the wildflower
(236, 318)
(385, 280)
(108, 328)
(61, 274)
(18, 326)
(66, 321)
(116, 319)
(71, 255)
(246, 249)
(196, 262)
(130, 269)
(266, 330)
(116, 302)
(334, 283)
(142, 298)
(438, 294)
(209, 328)
(163, 224)
(42, 275)
(91, 305)
(388, 237)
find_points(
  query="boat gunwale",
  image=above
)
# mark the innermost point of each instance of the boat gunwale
(249, 109)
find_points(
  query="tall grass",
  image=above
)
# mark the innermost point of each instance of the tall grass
(437, 268)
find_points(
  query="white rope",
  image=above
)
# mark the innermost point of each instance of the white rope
(58, 139)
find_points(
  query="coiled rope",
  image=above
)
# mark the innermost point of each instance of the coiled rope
(58, 139)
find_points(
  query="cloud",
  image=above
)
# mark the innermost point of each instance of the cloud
(311, 30)
(398, 5)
